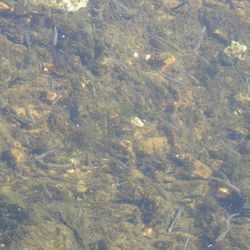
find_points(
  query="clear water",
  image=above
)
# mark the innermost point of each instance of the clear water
(125, 125)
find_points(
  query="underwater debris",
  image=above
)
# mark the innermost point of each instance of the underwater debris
(43, 155)
(27, 40)
(48, 193)
(175, 220)
(228, 221)
(55, 37)
(236, 50)
(186, 244)
(201, 38)
(51, 165)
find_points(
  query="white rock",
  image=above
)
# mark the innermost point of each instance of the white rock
(136, 122)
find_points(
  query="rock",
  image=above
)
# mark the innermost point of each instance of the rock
(136, 122)
(19, 155)
(67, 5)
(201, 170)
(242, 98)
(6, 8)
(49, 97)
(148, 232)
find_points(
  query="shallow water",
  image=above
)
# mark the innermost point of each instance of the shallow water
(125, 125)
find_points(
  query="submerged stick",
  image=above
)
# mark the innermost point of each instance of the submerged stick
(228, 221)
(200, 39)
(55, 37)
(43, 155)
(186, 244)
(175, 221)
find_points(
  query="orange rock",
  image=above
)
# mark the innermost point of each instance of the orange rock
(201, 170)
(6, 7)
(223, 192)
(19, 155)
(51, 96)
(168, 63)
(19, 111)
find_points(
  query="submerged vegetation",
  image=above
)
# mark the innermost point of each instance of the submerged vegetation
(124, 125)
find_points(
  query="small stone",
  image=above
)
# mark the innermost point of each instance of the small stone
(49, 97)
(148, 232)
(136, 55)
(70, 171)
(223, 192)
(47, 67)
(137, 122)
(147, 57)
